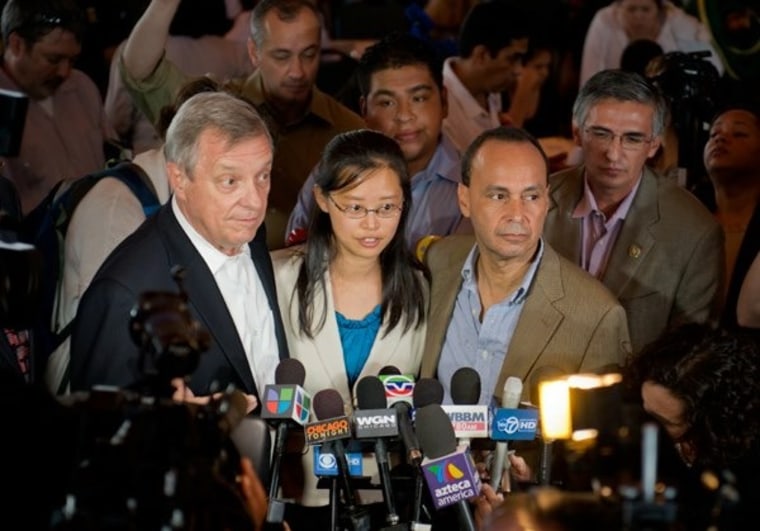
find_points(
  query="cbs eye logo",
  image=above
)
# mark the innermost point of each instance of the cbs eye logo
(327, 461)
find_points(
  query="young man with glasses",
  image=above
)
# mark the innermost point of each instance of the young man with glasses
(652, 243)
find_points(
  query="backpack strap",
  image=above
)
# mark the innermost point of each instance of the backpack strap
(138, 182)
(135, 178)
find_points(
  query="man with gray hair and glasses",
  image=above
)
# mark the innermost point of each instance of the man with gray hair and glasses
(652, 243)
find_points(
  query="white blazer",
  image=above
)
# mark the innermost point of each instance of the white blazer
(322, 356)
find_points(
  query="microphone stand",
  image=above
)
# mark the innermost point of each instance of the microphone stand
(276, 507)
(545, 462)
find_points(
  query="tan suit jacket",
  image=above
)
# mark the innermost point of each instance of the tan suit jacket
(322, 356)
(569, 321)
(666, 266)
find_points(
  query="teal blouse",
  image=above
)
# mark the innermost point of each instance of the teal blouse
(357, 338)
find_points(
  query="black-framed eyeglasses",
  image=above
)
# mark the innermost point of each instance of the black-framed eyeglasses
(603, 137)
(354, 211)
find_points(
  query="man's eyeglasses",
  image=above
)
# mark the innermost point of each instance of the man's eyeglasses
(604, 137)
(387, 210)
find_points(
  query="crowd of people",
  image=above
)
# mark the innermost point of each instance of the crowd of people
(430, 231)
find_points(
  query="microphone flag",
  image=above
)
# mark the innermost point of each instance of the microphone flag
(286, 402)
(452, 477)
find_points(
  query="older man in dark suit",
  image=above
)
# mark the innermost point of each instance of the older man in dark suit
(219, 159)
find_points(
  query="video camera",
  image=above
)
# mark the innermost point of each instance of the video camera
(144, 460)
(689, 83)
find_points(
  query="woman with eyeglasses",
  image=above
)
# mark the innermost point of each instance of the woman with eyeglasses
(703, 387)
(353, 297)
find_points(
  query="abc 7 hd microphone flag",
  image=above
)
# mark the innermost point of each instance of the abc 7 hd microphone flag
(286, 402)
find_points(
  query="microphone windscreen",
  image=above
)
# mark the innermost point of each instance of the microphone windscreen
(465, 386)
(542, 374)
(232, 408)
(289, 371)
(511, 393)
(434, 431)
(427, 391)
(388, 370)
(327, 404)
(370, 393)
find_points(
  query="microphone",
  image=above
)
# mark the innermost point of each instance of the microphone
(398, 387)
(468, 419)
(449, 471)
(332, 427)
(427, 391)
(543, 374)
(399, 391)
(374, 420)
(285, 402)
(510, 399)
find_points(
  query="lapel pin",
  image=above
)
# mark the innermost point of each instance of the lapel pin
(634, 251)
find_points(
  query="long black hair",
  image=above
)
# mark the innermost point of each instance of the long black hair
(345, 161)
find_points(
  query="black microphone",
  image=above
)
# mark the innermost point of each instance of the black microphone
(285, 402)
(331, 428)
(373, 419)
(427, 391)
(468, 419)
(389, 369)
(543, 374)
(450, 473)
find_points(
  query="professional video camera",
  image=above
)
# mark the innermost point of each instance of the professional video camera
(690, 85)
(146, 461)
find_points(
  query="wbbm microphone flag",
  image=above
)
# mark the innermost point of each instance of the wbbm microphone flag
(514, 424)
(286, 402)
(451, 478)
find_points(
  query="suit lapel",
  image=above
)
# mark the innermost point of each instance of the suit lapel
(538, 321)
(443, 293)
(564, 229)
(263, 264)
(635, 240)
(204, 295)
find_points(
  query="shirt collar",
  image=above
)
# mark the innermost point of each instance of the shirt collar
(469, 104)
(318, 106)
(588, 204)
(521, 293)
(213, 257)
(445, 164)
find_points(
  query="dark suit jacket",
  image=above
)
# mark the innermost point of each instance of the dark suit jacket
(569, 321)
(666, 266)
(102, 351)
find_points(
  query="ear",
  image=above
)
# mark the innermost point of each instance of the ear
(320, 198)
(177, 179)
(577, 134)
(654, 146)
(463, 195)
(253, 53)
(16, 45)
(480, 53)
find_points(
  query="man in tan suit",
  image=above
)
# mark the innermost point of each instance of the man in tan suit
(652, 243)
(505, 303)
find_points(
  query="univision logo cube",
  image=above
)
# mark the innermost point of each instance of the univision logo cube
(286, 402)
